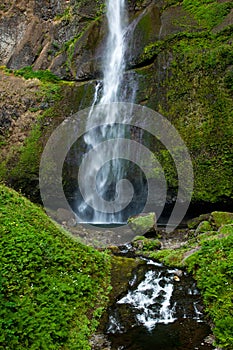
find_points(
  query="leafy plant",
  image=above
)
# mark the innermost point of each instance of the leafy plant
(43, 75)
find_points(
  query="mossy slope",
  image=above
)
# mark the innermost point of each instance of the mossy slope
(52, 288)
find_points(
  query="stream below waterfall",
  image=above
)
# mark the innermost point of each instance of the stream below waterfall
(161, 309)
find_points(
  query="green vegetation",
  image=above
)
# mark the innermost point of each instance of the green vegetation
(142, 223)
(66, 16)
(196, 95)
(43, 75)
(208, 12)
(52, 288)
(213, 269)
(144, 245)
(201, 108)
(28, 163)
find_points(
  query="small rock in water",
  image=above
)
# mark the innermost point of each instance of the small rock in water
(176, 278)
(179, 273)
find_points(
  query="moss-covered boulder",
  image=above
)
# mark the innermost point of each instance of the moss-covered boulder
(193, 223)
(226, 229)
(142, 223)
(144, 244)
(221, 218)
(204, 226)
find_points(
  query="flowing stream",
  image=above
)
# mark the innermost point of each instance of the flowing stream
(160, 310)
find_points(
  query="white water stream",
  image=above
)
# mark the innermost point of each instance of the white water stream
(153, 301)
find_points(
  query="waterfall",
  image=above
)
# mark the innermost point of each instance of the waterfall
(104, 198)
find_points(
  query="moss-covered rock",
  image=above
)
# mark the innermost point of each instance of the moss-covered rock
(193, 223)
(204, 226)
(142, 223)
(145, 32)
(226, 229)
(143, 244)
(221, 218)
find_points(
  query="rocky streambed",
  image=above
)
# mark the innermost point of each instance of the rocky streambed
(155, 303)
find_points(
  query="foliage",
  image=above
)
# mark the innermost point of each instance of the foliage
(200, 107)
(25, 172)
(50, 284)
(221, 218)
(208, 12)
(213, 269)
(146, 245)
(43, 75)
(170, 257)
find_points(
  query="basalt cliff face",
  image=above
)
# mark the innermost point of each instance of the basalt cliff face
(180, 56)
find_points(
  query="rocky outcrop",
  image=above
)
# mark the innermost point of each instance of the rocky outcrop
(67, 37)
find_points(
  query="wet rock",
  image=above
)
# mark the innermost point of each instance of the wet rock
(175, 20)
(176, 278)
(122, 269)
(114, 249)
(179, 273)
(146, 28)
(99, 342)
(86, 59)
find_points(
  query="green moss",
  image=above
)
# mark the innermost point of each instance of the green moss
(43, 75)
(24, 174)
(212, 267)
(146, 245)
(52, 288)
(169, 257)
(226, 229)
(221, 218)
(204, 226)
(66, 16)
(142, 223)
(201, 108)
(194, 92)
(208, 12)
(193, 223)
(207, 236)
